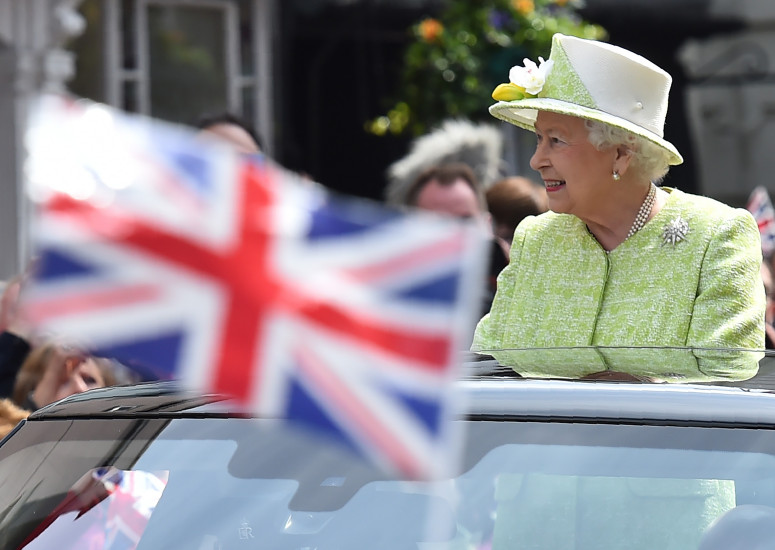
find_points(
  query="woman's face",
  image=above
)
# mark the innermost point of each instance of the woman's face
(576, 175)
(81, 374)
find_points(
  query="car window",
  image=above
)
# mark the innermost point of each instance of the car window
(222, 483)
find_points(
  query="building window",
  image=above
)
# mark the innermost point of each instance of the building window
(187, 59)
(178, 59)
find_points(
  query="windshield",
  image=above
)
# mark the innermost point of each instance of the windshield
(216, 484)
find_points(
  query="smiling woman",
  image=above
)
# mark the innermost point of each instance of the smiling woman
(618, 261)
(53, 371)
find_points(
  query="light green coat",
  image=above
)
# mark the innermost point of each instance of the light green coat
(561, 288)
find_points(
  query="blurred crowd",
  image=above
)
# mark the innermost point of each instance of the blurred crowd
(456, 170)
(36, 370)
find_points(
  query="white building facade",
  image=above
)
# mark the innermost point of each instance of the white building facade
(169, 59)
(731, 101)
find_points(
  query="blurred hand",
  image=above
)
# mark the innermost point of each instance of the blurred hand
(616, 376)
(9, 307)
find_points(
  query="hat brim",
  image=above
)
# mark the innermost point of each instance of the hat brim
(523, 113)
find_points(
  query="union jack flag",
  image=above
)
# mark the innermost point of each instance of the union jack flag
(760, 205)
(129, 507)
(106, 508)
(236, 277)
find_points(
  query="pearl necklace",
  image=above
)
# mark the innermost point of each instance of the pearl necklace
(643, 213)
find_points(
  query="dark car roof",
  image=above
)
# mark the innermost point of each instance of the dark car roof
(163, 398)
(483, 397)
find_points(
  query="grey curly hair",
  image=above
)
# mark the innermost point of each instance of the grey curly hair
(649, 160)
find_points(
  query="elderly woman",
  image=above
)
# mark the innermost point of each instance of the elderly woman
(618, 262)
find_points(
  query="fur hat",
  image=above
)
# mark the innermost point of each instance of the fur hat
(480, 146)
(10, 416)
(592, 80)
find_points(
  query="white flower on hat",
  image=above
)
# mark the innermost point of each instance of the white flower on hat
(531, 77)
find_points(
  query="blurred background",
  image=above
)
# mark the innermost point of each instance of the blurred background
(338, 89)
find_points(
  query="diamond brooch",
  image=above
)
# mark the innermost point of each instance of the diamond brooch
(675, 231)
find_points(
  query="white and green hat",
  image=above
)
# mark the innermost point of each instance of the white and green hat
(590, 79)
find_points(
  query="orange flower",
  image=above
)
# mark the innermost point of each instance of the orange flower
(524, 7)
(430, 29)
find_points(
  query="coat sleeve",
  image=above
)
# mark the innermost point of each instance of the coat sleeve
(729, 309)
(489, 331)
(13, 352)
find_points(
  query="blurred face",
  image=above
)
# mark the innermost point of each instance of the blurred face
(234, 135)
(80, 374)
(577, 176)
(456, 199)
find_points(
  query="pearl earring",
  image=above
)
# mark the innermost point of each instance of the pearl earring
(616, 176)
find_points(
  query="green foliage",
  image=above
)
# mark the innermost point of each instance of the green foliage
(455, 61)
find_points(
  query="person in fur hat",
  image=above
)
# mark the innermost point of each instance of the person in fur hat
(10, 416)
(480, 146)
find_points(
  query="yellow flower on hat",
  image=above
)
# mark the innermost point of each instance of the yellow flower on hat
(509, 92)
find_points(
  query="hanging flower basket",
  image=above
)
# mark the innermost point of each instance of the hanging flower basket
(455, 60)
